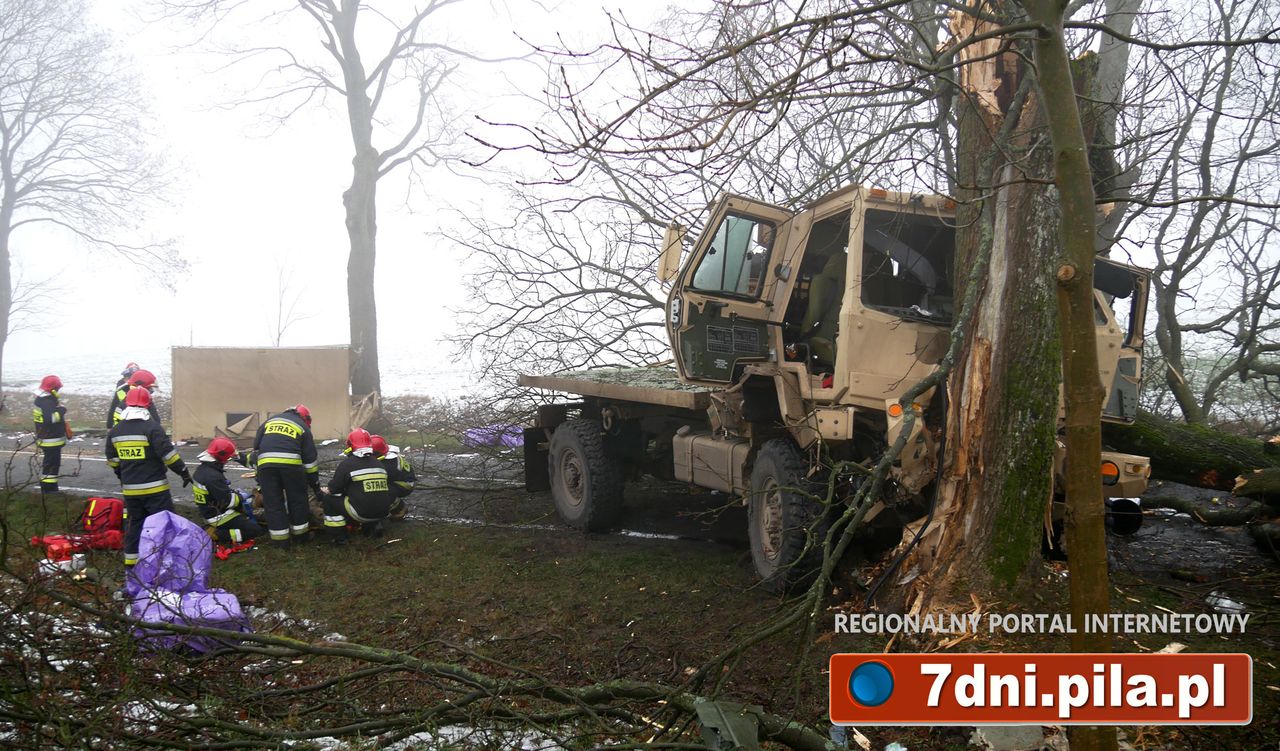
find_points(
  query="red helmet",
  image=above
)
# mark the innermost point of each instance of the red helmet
(50, 383)
(303, 412)
(221, 449)
(144, 378)
(138, 397)
(379, 445)
(129, 370)
(359, 439)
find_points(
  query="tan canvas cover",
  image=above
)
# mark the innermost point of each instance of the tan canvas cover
(231, 390)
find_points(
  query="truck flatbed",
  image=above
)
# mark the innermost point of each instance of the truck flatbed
(660, 386)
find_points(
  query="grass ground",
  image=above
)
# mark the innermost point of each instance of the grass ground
(585, 609)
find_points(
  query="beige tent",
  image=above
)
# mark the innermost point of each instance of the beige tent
(230, 390)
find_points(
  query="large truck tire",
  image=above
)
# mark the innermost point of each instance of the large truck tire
(786, 519)
(586, 483)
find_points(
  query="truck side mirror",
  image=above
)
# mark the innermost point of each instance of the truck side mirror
(672, 246)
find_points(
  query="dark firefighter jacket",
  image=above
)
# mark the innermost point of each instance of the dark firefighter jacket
(139, 451)
(400, 473)
(214, 497)
(118, 406)
(285, 440)
(363, 480)
(50, 420)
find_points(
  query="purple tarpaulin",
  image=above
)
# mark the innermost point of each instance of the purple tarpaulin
(170, 584)
(510, 436)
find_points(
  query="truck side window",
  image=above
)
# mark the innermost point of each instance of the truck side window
(737, 258)
(907, 262)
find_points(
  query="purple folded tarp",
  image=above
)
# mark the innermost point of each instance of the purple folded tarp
(170, 584)
(510, 436)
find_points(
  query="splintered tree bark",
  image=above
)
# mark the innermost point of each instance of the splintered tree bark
(1191, 454)
(1260, 483)
(1003, 392)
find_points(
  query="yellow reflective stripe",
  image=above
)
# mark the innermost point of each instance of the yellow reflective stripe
(224, 517)
(37, 414)
(346, 503)
(145, 488)
(335, 521)
(236, 536)
(57, 417)
(265, 459)
(51, 442)
(301, 529)
(130, 559)
(279, 534)
(172, 457)
(113, 462)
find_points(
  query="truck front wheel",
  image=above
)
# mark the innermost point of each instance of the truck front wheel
(785, 518)
(586, 483)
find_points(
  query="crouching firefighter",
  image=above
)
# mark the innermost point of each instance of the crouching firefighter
(140, 452)
(230, 518)
(285, 454)
(359, 491)
(52, 431)
(399, 472)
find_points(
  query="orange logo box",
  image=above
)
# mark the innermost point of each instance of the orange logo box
(1041, 689)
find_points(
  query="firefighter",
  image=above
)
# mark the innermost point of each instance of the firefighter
(52, 431)
(285, 454)
(138, 378)
(359, 492)
(139, 451)
(399, 472)
(230, 518)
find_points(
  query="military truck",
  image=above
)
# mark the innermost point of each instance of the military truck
(795, 332)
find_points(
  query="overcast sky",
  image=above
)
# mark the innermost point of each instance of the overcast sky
(252, 196)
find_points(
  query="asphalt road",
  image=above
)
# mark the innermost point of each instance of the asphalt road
(466, 488)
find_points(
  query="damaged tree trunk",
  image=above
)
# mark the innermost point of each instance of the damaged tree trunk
(1191, 454)
(1003, 392)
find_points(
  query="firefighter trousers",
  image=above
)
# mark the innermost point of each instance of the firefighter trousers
(137, 509)
(284, 501)
(49, 467)
(238, 529)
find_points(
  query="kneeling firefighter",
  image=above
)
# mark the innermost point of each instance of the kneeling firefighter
(139, 451)
(399, 472)
(359, 491)
(225, 511)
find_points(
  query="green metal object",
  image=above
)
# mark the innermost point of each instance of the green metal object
(728, 726)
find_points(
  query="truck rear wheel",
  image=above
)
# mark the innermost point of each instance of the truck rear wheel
(785, 519)
(586, 483)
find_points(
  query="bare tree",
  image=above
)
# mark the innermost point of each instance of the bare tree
(33, 302)
(288, 299)
(72, 143)
(390, 75)
(1200, 185)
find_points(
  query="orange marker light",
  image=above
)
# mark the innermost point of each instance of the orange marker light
(1110, 473)
(895, 410)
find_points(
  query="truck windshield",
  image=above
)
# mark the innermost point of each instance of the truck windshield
(737, 258)
(907, 262)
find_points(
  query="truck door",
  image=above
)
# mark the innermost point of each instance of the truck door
(719, 310)
(1120, 306)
